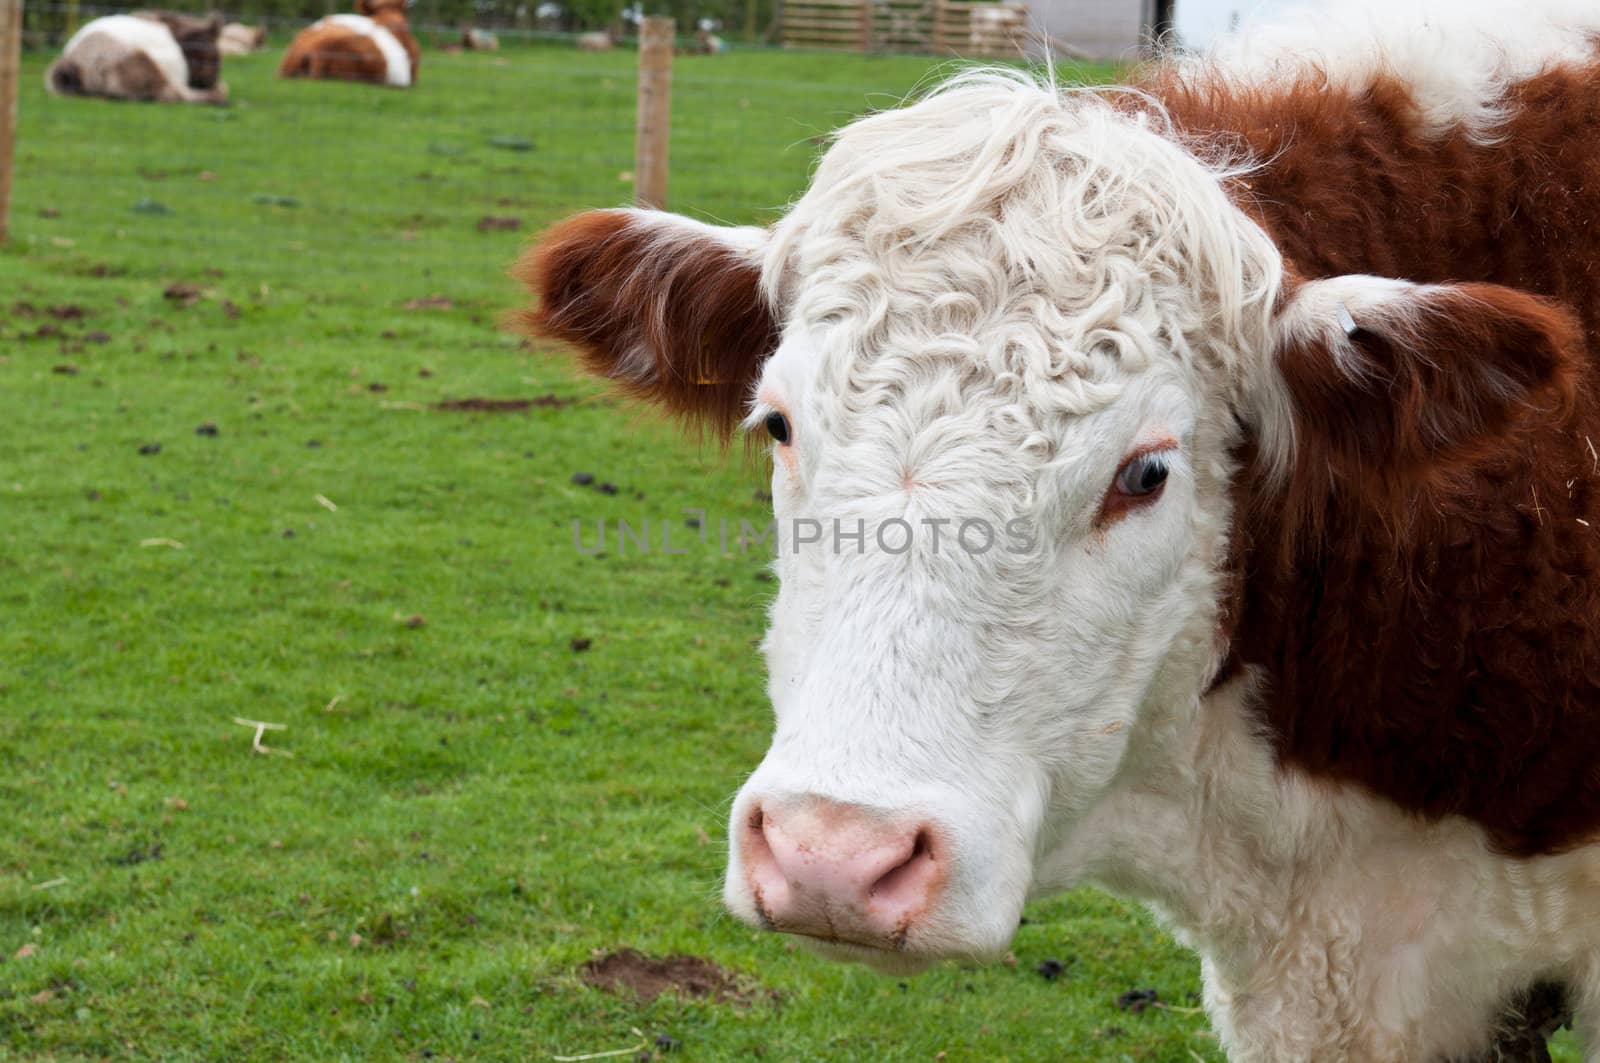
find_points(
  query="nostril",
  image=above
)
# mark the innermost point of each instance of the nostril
(909, 882)
(757, 849)
(769, 888)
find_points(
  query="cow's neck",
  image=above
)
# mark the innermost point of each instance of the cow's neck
(1201, 818)
(1316, 907)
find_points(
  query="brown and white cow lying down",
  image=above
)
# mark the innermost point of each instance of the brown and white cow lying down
(1287, 367)
(148, 55)
(375, 45)
(238, 39)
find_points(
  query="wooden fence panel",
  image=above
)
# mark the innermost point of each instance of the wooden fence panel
(956, 27)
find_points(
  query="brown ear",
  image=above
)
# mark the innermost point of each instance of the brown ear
(364, 7)
(1393, 386)
(669, 308)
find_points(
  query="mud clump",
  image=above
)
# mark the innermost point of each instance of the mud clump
(430, 302)
(138, 855)
(182, 295)
(1137, 1000)
(483, 405)
(648, 977)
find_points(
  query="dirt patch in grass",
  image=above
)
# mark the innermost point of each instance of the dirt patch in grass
(1137, 1000)
(648, 977)
(138, 855)
(482, 405)
(183, 295)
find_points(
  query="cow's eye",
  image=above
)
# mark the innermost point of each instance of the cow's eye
(1142, 475)
(778, 427)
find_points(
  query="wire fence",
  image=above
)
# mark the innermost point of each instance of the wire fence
(330, 187)
(747, 20)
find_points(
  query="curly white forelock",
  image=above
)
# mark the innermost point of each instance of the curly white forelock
(1048, 239)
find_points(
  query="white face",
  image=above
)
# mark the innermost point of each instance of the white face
(949, 708)
(992, 694)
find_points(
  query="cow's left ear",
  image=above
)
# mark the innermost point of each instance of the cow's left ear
(1392, 385)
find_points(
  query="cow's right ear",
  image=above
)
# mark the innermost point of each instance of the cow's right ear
(1386, 390)
(670, 308)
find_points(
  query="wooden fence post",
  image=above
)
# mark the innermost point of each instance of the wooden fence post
(10, 60)
(656, 36)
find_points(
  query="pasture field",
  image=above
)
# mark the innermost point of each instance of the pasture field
(227, 492)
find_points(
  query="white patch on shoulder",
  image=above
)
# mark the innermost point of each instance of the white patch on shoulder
(1457, 58)
(140, 34)
(395, 59)
(1331, 924)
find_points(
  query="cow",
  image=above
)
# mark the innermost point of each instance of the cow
(375, 45)
(1274, 378)
(474, 39)
(148, 55)
(240, 39)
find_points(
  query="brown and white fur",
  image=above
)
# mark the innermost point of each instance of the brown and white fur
(474, 39)
(155, 55)
(239, 39)
(375, 45)
(1289, 360)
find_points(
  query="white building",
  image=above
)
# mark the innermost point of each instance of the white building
(1101, 29)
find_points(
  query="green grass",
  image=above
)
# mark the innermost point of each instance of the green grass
(483, 806)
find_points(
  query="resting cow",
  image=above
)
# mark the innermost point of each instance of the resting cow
(149, 55)
(375, 45)
(1193, 491)
(239, 39)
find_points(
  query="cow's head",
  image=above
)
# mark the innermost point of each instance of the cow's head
(1036, 314)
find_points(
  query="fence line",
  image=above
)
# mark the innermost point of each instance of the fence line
(10, 64)
(307, 187)
(654, 111)
(275, 190)
(977, 29)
